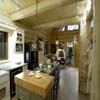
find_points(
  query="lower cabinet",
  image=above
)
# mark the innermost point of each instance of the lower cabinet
(24, 94)
(55, 89)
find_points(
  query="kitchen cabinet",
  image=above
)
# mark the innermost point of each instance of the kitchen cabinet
(24, 94)
(32, 88)
(55, 72)
(4, 85)
(13, 69)
(19, 42)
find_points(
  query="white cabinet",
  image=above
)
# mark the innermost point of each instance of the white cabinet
(4, 86)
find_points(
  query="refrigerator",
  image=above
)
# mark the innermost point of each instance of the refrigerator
(30, 56)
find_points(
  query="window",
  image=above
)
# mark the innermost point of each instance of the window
(72, 27)
(3, 45)
(92, 23)
(61, 29)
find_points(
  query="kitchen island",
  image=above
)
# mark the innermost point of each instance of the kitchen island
(31, 88)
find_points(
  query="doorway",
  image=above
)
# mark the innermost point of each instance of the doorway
(69, 54)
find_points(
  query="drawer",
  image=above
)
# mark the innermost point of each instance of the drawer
(4, 78)
(6, 90)
(22, 94)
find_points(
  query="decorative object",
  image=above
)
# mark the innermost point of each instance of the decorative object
(61, 45)
(53, 48)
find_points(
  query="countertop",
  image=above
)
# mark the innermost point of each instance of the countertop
(10, 66)
(2, 72)
(40, 86)
(50, 70)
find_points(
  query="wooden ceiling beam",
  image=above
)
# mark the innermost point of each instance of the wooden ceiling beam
(42, 7)
(59, 23)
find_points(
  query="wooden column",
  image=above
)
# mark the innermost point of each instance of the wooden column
(95, 92)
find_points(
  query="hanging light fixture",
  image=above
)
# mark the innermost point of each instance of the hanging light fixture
(57, 42)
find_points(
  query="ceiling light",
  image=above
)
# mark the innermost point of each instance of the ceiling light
(57, 42)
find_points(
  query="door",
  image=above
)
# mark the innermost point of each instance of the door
(70, 48)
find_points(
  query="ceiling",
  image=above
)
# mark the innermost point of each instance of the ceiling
(49, 13)
(11, 6)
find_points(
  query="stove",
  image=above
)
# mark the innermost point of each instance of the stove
(4, 85)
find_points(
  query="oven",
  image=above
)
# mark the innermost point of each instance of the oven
(4, 85)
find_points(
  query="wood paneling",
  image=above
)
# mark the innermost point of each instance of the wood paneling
(62, 36)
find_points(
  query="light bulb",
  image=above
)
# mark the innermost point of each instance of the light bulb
(57, 42)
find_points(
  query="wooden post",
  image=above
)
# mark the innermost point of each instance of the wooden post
(95, 92)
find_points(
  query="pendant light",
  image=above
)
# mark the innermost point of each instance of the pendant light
(57, 42)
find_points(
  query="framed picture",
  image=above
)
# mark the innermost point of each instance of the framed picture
(53, 48)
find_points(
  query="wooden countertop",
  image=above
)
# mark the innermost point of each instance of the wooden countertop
(40, 86)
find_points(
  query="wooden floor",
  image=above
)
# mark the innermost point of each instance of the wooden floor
(69, 83)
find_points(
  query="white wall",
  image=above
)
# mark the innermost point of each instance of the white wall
(13, 56)
(41, 54)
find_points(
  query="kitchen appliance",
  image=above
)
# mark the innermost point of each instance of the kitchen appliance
(30, 56)
(4, 85)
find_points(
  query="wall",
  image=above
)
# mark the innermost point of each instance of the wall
(13, 57)
(85, 55)
(30, 35)
(76, 51)
(64, 37)
(95, 91)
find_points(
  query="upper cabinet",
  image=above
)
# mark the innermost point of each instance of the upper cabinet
(19, 42)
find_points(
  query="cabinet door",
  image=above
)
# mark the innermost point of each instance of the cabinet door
(22, 94)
